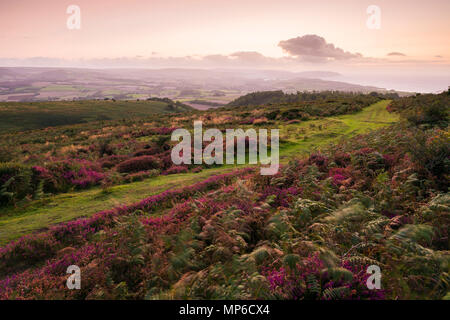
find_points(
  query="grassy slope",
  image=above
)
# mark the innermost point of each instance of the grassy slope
(63, 207)
(39, 214)
(334, 128)
(46, 114)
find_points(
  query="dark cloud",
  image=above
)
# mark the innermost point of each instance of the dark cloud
(399, 54)
(313, 48)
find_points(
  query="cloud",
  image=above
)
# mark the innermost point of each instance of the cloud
(303, 52)
(438, 56)
(314, 48)
(215, 59)
(250, 56)
(399, 54)
(237, 59)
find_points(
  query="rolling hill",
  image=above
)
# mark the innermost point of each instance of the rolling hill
(20, 116)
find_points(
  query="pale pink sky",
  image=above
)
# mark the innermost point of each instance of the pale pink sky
(130, 28)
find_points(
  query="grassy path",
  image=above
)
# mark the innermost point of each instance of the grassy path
(299, 138)
(309, 135)
(40, 214)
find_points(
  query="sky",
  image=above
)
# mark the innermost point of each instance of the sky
(407, 37)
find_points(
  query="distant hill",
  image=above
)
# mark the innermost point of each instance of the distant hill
(317, 74)
(56, 84)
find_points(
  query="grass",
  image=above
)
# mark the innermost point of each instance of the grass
(321, 132)
(19, 116)
(37, 215)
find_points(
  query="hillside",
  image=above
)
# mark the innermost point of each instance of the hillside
(20, 116)
(362, 183)
(22, 219)
(326, 97)
(77, 157)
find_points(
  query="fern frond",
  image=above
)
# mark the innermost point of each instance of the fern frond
(39, 193)
(361, 261)
(291, 260)
(313, 284)
(338, 273)
(415, 233)
(335, 293)
(375, 226)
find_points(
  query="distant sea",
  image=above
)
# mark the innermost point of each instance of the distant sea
(411, 83)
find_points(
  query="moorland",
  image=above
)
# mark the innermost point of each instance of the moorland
(364, 181)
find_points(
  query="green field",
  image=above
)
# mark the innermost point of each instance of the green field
(59, 88)
(38, 215)
(18, 116)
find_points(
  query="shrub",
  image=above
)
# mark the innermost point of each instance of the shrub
(340, 176)
(426, 110)
(16, 181)
(146, 152)
(104, 147)
(176, 169)
(139, 176)
(342, 159)
(431, 153)
(44, 176)
(86, 177)
(26, 251)
(313, 280)
(138, 164)
(320, 160)
(111, 161)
